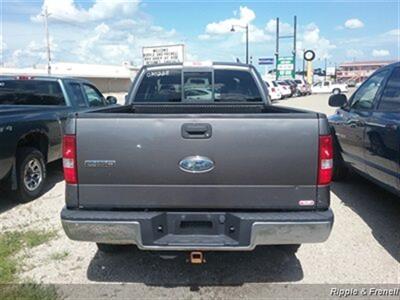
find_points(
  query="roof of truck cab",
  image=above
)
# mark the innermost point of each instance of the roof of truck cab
(198, 65)
(41, 77)
(393, 65)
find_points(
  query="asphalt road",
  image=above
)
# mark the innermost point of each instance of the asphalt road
(364, 248)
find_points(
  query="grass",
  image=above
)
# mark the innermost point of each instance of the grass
(36, 238)
(10, 244)
(28, 291)
(59, 255)
(13, 242)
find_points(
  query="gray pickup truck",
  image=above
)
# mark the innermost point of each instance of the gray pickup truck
(197, 159)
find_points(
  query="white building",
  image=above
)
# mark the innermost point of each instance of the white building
(107, 78)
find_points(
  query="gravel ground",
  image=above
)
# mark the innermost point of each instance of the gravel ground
(364, 247)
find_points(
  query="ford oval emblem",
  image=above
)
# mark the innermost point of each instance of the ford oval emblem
(196, 164)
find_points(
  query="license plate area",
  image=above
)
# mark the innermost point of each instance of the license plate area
(196, 229)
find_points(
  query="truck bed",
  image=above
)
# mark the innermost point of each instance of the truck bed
(188, 108)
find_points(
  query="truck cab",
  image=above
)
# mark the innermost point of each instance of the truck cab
(367, 129)
(329, 87)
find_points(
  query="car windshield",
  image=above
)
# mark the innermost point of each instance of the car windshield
(228, 86)
(30, 92)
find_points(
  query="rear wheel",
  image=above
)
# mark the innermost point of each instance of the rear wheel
(31, 174)
(336, 91)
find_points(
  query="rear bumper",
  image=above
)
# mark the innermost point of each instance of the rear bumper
(197, 230)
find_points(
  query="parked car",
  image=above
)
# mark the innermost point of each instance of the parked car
(351, 83)
(367, 129)
(285, 89)
(329, 87)
(293, 87)
(273, 90)
(32, 113)
(163, 173)
(303, 86)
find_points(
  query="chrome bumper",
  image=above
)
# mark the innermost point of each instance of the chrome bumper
(307, 227)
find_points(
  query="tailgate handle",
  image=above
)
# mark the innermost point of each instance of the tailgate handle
(196, 131)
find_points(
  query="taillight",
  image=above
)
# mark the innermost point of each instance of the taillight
(69, 159)
(273, 90)
(325, 160)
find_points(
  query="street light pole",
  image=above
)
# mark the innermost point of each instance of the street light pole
(247, 43)
(247, 38)
(304, 64)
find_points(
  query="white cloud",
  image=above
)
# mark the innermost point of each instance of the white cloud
(208, 37)
(393, 32)
(246, 15)
(67, 10)
(109, 44)
(312, 39)
(354, 53)
(284, 28)
(380, 53)
(215, 30)
(353, 24)
(3, 45)
(34, 52)
(114, 32)
(257, 35)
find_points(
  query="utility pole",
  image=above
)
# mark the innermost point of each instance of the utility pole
(277, 49)
(294, 44)
(326, 61)
(294, 37)
(46, 15)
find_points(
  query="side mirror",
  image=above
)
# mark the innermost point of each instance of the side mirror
(337, 100)
(111, 100)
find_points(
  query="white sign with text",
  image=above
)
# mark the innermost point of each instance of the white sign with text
(163, 54)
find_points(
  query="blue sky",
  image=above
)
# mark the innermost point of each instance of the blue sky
(111, 32)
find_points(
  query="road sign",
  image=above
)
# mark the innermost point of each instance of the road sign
(309, 55)
(265, 61)
(285, 67)
(163, 54)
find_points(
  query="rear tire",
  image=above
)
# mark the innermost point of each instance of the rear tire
(112, 248)
(336, 91)
(31, 174)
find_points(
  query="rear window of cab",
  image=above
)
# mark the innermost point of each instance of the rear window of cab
(175, 85)
(30, 92)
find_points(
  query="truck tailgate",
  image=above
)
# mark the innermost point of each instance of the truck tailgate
(260, 161)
